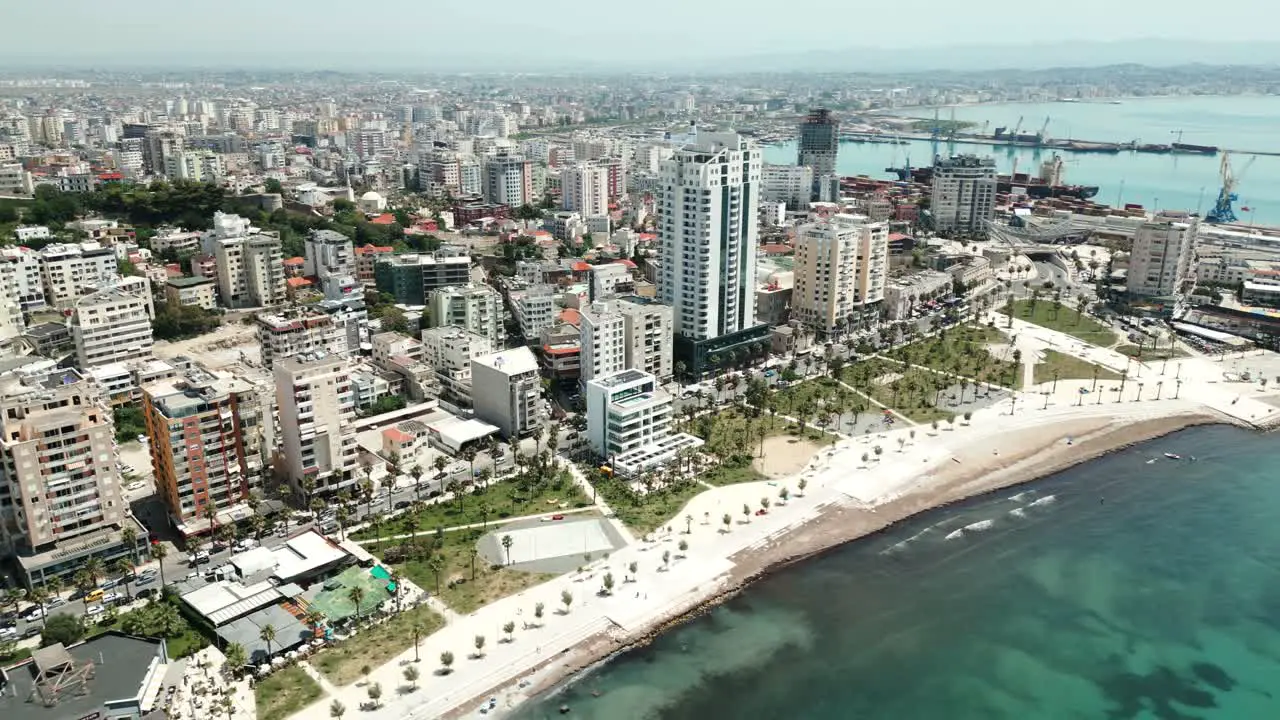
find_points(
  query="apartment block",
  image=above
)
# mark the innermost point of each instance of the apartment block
(67, 269)
(113, 325)
(411, 278)
(21, 271)
(192, 291)
(629, 422)
(841, 266)
(507, 391)
(60, 494)
(249, 261)
(315, 400)
(449, 350)
(534, 308)
(329, 254)
(1163, 249)
(299, 331)
(366, 260)
(476, 308)
(963, 194)
(207, 449)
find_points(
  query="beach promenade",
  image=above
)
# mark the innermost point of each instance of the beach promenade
(1038, 431)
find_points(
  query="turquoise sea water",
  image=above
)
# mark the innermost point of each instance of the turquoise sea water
(1176, 182)
(1119, 589)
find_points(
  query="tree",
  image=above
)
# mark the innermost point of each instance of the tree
(746, 511)
(446, 659)
(268, 636)
(632, 568)
(237, 658)
(160, 552)
(506, 545)
(479, 642)
(411, 676)
(764, 504)
(783, 494)
(538, 609)
(375, 694)
(337, 710)
(566, 597)
(509, 628)
(419, 629)
(62, 628)
(356, 594)
(436, 565)
(683, 547)
(608, 583)
(802, 485)
(728, 522)
(666, 558)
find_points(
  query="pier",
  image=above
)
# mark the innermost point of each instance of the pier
(1063, 145)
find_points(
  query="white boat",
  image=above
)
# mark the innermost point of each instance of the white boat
(1171, 456)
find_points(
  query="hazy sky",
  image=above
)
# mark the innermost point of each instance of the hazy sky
(522, 33)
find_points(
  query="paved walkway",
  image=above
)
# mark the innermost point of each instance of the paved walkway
(585, 484)
(491, 523)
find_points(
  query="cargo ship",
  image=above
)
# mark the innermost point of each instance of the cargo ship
(1196, 149)
(1045, 185)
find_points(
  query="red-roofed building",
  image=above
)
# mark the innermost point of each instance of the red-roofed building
(293, 267)
(572, 317)
(562, 361)
(777, 249)
(296, 283)
(366, 258)
(384, 219)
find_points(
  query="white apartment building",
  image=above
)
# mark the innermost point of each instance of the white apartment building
(506, 391)
(629, 333)
(15, 180)
(31, 232)
(964, 195)
(476, 308)
(604, 347)
(67, 269)
(629, 422)
(388, 345)
(197, 291)
(707, 230)
(508, 180)
(790, 184)
(182, 242)
(609, 280)
(1163, 249)
(62, 502)
(316, 407)
(250, 263)
(585, 189)
(21, 271)
(841, 266)
(298, 332)
(329, 254)
(195, 165)
(449, 350)
(113, 325)
(534, 309)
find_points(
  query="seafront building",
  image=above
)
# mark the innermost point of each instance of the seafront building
(629, 422)
(207, 446)
(708, 199)
(61, 502)
(317, 410)
(841, 266)
(1163, 249)
(963, 196)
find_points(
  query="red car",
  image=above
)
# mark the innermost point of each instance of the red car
(557, 517)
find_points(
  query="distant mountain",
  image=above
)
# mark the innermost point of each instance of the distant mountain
(1155, 52)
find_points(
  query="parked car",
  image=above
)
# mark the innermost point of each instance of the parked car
(402, 504)
(198, 557)
(55, 602)
(94, 611)
(144, 593)
(32, 615)
(112, 597)
(31, 631)
(145, 580)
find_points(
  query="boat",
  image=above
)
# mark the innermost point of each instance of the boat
(1198, 149)
(1154, 148)
(1172, 456)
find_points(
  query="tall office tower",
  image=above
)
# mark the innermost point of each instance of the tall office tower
(964, 194)
(207, 450)
(840, 272)
(585, 188)
(819, 142)
(708, 199)
(1163, 249)
(508, 180)
(60, 492)
(317, 411)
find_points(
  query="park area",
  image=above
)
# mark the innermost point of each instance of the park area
(343, 663)
(1060, 366)
(284, 693)
(1071, 321)
(335, 599)
(736, 437)
(525, 494)
(644, 513)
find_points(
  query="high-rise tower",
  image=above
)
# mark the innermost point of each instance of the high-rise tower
(819, 142)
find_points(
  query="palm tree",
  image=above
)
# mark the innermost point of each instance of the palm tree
(509, 628)
(236, 656)
(268, 636)
(356, 594)
(506, 545)
(419, 629)
(160, 552)
(436, 565)
(416, 473)
(337, 710)
(93, 569)
(129, 537)
(472, 552)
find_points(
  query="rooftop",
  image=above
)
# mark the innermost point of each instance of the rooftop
(510, 362)
(122, 667)
(182, 282)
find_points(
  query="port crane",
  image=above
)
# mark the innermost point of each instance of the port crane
(1223, 210)
(1043, 128)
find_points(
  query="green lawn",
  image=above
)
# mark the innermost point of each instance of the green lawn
(284, 693)
(1148, 354)
(487, 584)
(500, 500)
(912, 394)
(644, 514)
(1069, 368)
(1047, 313)
(733, 436)
(373, 646)
(963, 351)
(820, 394)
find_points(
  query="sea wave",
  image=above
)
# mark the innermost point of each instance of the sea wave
(1018, 512)
(954, 534)
(1046, 500)
(979, 526)
(1019, 497)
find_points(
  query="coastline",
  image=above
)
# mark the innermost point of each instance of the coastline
(1035, 458)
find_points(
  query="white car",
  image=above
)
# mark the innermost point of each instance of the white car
(32, 615)
(135, 486)
(94, 611)
(111, 597)
(142, 438)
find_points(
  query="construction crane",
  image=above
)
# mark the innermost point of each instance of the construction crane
(1223, 210)
(1017, 128)
(1040, 135)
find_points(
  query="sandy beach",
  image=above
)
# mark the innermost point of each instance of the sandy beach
(733, 539)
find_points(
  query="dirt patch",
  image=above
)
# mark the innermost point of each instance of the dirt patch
(784, 456)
